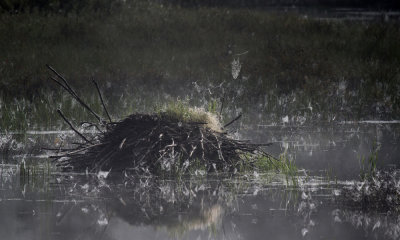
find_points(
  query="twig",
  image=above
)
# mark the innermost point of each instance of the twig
(56, 149)
(259, 144)
(234, 120)
(91, 125)
(101, 99)
(62, 85)
(72, 92)
(63, 79)
(220, 156)
(202, 144)
(222, 107)
(103, 160)
(83, 149)
(268, 155)
(72, 127)
(78, 150)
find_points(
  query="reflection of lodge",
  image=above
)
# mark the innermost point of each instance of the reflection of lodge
(389, 226)
(169, 205)
(175, 207)
(84, 207)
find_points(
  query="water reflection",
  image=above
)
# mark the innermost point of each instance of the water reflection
(335, 147)
(215, 207)
(51, 205)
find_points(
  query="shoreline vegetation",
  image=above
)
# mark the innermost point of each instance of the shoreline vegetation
(273, 67)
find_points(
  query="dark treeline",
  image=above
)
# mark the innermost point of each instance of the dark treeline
(151, 53)
(15, 6)
(63, 6)
(368, 4)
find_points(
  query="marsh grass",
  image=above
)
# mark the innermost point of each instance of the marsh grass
(315, 69)
(182, 111)
(282, 165)
(368, 164)
(21, 114)
(36, 175)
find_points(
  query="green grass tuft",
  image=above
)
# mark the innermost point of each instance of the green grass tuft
(180, 110)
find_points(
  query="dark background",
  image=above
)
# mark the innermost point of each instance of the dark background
(16, 6)
(370, 4)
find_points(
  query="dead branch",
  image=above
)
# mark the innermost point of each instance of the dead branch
(101, 99)
(72, 127)
(68, 88)
(234, 120)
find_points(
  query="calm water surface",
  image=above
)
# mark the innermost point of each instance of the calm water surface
(52, 205)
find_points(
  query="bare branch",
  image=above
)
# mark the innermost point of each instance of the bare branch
(234, 120)
(68, 88)
(72, 127)
(101, 99)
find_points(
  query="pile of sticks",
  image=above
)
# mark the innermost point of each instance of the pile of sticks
(150, 143)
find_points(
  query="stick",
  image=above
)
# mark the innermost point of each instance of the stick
(76, 151)
(234, 120)
(220, 156)
(72, 92)
(56, 149)
(268, 155)
(83, 149)
(222, 107)
(91, 125)
(62, 78)
(101, 99)
(72, 127)
(62, 85)
(259, 144)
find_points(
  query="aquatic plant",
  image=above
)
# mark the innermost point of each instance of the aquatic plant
(368, 164)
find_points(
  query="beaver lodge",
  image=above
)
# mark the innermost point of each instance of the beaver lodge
(177, 139)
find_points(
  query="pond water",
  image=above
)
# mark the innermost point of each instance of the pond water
(47, 204)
